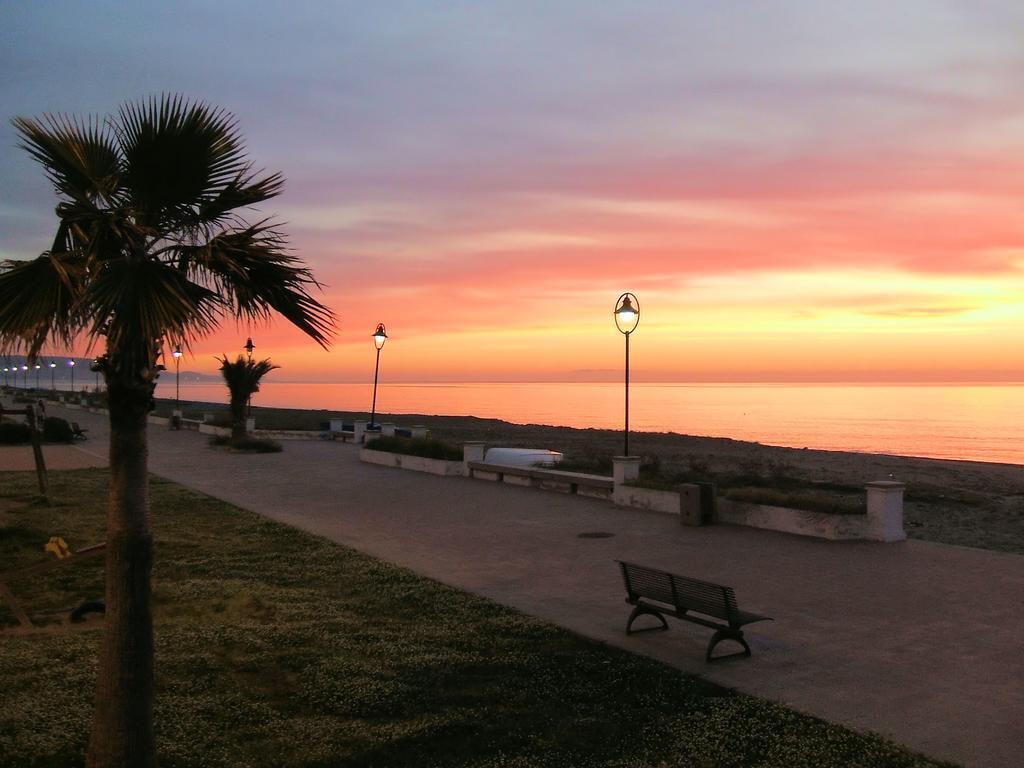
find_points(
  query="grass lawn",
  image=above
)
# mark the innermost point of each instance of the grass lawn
(278, 648)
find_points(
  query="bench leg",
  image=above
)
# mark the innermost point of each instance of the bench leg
(727, 634)
(640, 610)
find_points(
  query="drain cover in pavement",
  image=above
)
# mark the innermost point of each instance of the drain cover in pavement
(595, 535)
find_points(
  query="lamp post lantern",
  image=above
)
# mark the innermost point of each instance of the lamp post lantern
(379, 337)
(38, 367)
(627, 317)
(53, 375)
(71, 365)
(24, 374)
(6, 369)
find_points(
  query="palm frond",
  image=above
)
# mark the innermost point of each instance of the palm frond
(80, 158)
(252, 270)
(144, 299)
(178, 154)
(40, 299)
(243, 376)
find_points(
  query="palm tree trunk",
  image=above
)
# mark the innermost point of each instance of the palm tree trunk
(238, 430)
(122, 730)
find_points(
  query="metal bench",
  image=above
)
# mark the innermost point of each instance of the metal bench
(660, 593)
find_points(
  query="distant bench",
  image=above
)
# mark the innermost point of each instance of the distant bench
(656, 593)
(536, 475)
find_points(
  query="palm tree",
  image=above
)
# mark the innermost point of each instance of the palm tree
(243, 379)
(150, 250)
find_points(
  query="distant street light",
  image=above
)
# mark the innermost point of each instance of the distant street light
(177, 384)
(379, 337)
(37, 367)
(6, 369)
(24, 372)
(71, 365)
(627, 317)
(53, 381)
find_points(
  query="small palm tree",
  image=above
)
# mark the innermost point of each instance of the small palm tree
(150, 250)
(243, 379)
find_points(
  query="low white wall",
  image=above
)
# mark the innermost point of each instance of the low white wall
(287, 434)
(416, 463)
(646, 498)
(209, 429)
(802, 522)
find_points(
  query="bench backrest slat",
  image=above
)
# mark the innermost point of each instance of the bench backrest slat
(647, 582)
(684, 593)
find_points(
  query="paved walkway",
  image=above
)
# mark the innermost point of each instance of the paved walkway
(918, 641)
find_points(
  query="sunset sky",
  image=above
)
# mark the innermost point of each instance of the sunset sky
(794, 191)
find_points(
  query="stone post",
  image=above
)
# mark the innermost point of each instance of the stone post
(335, 425)
(471, 451)
(358, 432)
(420, 432)
(250, 424)
(175, 422)
(207, 418)
(387, 429)
(885, 511)
(625, 468)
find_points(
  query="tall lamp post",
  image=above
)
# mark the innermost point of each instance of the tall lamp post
(71, 365)
(53, 376)
(24, 373)
(176, 354)
(38, 367)
(249, 347)
(379, 337)
(627, 317)
(6, 369)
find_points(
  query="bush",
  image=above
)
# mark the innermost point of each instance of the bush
(14, 433)
(57, 430)
(247, 444)
(420, 446)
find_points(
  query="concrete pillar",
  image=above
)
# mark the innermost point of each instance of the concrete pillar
(207, 418)
(358, 431)
(336, 425)
(885, 510)
(387, 429)
(625, 468)
(250, 424)
(175, 420)
(471, 451)
(420, 432)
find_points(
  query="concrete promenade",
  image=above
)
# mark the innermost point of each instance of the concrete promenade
(920, 642)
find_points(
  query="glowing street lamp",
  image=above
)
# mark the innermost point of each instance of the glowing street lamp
(37, 367)
(53, 381)
(6, 370)
(379, 337)
(24, 373)
(71, 365)
(627, 317)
